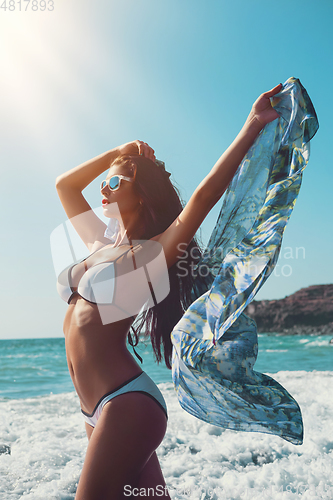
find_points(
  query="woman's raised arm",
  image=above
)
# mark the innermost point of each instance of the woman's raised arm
(81, 176)
(210, 190)
(71, 184)
(224, 169)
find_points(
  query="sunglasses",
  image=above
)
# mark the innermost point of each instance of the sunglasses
(114, 182)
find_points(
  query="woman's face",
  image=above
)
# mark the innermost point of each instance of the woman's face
(123, 200)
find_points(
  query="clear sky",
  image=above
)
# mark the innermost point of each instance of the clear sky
(181, 75)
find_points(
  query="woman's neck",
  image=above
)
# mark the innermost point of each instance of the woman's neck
(125, 235)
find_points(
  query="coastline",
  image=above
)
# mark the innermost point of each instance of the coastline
(308, 311)
(301, 330)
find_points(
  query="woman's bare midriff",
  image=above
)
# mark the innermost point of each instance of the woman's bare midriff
(97, 356)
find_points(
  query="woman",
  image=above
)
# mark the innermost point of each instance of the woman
(125, 431)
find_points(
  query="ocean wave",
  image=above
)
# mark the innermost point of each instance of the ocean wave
(48, 443)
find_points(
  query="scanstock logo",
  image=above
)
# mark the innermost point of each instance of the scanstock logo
(122, 280)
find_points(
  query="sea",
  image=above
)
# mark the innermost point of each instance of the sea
(43, 440)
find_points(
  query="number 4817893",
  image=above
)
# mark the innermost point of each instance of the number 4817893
(25, 5)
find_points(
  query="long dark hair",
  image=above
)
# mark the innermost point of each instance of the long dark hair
(161, 204)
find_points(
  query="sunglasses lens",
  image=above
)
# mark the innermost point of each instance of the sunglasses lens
(103, 184)
(114, 182)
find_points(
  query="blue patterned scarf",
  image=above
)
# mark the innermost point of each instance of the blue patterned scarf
(215, 344)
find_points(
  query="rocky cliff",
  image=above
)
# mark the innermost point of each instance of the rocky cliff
(310, 310)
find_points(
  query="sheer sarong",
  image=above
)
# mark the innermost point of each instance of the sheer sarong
(215, 344)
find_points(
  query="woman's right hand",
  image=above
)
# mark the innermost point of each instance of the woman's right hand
(262, 110)
(137, 148)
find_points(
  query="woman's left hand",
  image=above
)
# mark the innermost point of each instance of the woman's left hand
(262, 110)
(137, 148)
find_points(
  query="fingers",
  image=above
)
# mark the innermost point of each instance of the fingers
(145, 150)
(274, 91)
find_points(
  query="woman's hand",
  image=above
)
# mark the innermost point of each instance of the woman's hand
(137, 148)
(262, 110)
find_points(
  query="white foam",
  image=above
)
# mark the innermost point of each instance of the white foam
(276, 350)
(318, 342)
(199, 461)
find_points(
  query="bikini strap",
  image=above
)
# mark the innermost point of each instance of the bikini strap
(129, 336)
(130, 341)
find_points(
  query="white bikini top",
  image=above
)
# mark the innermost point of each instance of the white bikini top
(96, 284)
(121, 289)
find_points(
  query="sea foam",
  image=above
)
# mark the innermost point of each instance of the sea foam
(199, 461)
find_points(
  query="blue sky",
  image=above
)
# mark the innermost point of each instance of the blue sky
(181, 75)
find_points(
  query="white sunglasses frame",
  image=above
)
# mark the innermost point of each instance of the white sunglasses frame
(121, 177)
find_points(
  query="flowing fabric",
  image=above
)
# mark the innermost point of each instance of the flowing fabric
(215, 344)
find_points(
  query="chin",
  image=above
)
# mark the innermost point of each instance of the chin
(111, 211)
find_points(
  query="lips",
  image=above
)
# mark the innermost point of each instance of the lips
(105, 201)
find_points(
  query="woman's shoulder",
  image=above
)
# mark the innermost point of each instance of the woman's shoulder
(97, 245)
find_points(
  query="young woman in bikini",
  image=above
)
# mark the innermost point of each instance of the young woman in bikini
(124, 411)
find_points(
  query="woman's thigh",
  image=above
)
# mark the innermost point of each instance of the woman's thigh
(151, 482)
(127, 433)
(89, 430)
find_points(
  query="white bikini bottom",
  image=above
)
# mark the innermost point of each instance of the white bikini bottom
(139, 383)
